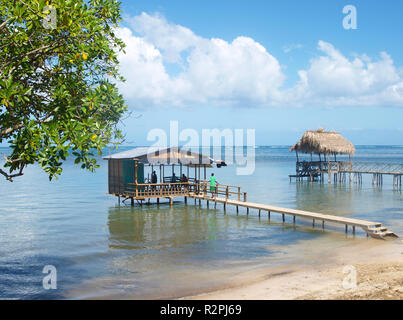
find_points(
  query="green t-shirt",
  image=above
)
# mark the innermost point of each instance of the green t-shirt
(212, 181)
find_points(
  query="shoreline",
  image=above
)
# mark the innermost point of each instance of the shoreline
(378, 266)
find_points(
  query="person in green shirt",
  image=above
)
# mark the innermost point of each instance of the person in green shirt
(213, 184)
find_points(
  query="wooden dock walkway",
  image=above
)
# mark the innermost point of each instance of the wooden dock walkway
(373, 229)
(340, 170)
(223, 194)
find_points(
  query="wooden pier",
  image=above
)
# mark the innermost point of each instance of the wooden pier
(373, 229)
(340, 171)
(223, 193)
(329, 144)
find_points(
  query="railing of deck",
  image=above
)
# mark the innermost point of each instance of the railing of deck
(144, 190)
(309, 167)
(169, 189)
(227, 191)
(312, 167)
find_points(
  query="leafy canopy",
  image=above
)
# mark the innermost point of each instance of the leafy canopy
(57, 94)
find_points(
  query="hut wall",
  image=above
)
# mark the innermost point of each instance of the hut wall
(115, 171)
(121, 173)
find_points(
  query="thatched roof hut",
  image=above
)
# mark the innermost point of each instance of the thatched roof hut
(323, 142)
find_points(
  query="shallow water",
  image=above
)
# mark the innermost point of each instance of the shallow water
(101, 249)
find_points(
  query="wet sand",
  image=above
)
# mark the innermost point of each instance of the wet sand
(379, 274)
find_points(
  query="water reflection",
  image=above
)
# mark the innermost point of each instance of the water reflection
(325, 198)
(159, 227)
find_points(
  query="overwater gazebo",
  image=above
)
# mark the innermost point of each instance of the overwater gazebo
(179, 170)
(321, 143)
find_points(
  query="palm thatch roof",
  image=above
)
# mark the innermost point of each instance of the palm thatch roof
(323, 142)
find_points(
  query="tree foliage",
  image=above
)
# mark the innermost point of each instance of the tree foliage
(57, 92)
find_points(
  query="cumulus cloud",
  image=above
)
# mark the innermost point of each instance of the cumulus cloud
(333, 79)
(167, 64)
(211, 70)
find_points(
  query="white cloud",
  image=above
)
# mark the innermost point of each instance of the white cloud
(291, 47)
(213, 70)
(333, 79)
(171, 39)
(243, 72)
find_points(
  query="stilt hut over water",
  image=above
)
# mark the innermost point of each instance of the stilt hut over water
(178, 171)
(326, 145)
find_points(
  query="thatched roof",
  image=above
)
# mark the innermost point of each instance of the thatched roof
(323, 142)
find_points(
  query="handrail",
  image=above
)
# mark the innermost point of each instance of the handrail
(161, 184)
(182, 188)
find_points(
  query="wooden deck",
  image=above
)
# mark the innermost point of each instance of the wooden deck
(373, 229)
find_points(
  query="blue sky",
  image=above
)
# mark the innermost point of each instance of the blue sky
(297, 35)
(279, 67)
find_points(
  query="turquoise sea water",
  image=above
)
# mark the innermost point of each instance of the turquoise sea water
(101, 249)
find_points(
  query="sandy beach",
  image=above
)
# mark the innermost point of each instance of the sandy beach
(378, 266)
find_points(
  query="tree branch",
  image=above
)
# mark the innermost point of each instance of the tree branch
(10, 177)
(21, 125)
(4, 23)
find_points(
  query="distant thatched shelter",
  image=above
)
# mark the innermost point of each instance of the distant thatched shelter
(323, 142)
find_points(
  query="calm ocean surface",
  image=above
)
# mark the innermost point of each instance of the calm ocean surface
(101, 249)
